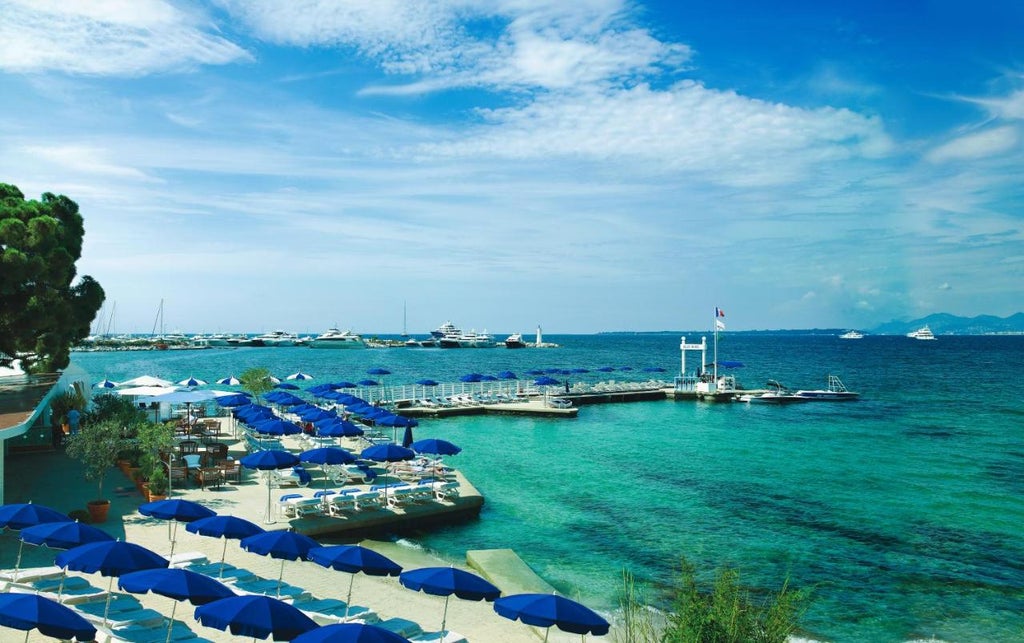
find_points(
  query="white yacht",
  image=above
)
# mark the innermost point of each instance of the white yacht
(277, 338)
(852, 335)
(924, 333)
(515, 340)
(334, 338)
(446, 328)
(471, 339)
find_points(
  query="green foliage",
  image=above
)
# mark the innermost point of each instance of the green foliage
(42, 312)
(152, 440)
(729, 614)
(117, 407)
(256, 381)
(61, 404)
(97, 445)
(158, 483)
(726, 614)
(80, 515)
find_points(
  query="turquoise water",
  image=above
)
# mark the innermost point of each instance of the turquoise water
(902, 511)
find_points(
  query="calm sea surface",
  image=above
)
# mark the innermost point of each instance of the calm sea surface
(903, 511)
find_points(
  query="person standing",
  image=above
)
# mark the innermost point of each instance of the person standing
(74, 417)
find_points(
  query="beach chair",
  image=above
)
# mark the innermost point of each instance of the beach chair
(286, 505)
(308, 507)
(332, 610)
(147, 633)
(367, 500)
(74, 589)
(270, 587)
(28, 574)
(225, 572)
(340, 503)
(119, 604)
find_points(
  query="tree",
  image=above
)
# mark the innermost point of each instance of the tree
(256, 381)
(42, 312)
(97, 445)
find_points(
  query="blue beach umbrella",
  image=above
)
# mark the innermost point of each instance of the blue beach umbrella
(343, 384)
(436, 446)
(625, 368)
(276, 426)
(378, 371)
(282, 544)
(179, 584)
(256, 616)
(445, 581)
(192, 382)
(63, 535)
(26, 514)
(653, 369)
(580, 370)
(389, 452)
(338, 428)
(233, 401)
(176, 510)
(368, 382)
(305, 406)
(109, 558)
(286, 386)
(269, 460)
(546, 381)
(327, 456)
(535, 372)
(507, 375)
(354, 559)
(230, 380)
(606, 369)
(471, 377)
(546, 610)
(349, 633)
(317, 389)
(33, 612)
(224, 527)
(299, 376)
(427, 382)
(315, 415)
(105, 383)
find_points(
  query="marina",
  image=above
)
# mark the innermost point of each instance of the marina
(545, 481)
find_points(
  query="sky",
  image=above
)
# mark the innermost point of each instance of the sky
(596, 165)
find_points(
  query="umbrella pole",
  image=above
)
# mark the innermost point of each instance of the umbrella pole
(280, 577)
(444, 616)
(17, 563)
(268, 519)
(223, 553)
(170, 621)
(348, 601)
(174, 533)
(106, 607)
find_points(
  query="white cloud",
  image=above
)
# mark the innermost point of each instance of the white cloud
(978, 145)
(121, 37)
(688, 128)
(84, 159)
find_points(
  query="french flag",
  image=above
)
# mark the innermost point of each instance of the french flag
(719, 312)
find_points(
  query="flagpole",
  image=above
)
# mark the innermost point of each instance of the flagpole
(716, 350)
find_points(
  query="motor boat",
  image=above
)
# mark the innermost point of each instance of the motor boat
(278, 338)
(836, 392)
(852, 335)
(444, 329)
(471, 339)
(515, 340)
(924, 333)
(776, 394)
(334, 338)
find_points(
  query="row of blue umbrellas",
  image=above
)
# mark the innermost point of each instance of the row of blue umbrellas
(141, 570)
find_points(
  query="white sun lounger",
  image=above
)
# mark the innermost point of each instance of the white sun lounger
(332, 610)
(28, 574)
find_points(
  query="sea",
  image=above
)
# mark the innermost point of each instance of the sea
(902, 513)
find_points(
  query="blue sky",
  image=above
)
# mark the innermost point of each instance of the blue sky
(586, 166)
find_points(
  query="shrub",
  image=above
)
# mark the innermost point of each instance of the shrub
(81, 515)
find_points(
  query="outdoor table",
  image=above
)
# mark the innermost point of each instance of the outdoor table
(209, 475)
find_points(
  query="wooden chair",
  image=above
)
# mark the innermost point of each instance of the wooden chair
(186, 447)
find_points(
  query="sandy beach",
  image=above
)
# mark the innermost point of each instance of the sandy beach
(57, 481)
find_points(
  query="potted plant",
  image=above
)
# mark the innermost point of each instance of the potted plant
(62, 404)
(97, 445)
(157, 486)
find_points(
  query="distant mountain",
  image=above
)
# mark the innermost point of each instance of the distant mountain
(946, 324)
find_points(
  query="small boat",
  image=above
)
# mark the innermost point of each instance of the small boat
(836, 392)
(334, 338)
(923, 333)
(779, 395)
(515, 340)
(852, 335)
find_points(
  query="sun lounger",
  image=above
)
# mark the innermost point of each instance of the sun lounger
(224, 572)
(147, 633)
(27, 574)
(442, 489)
(308, 507)
(269, 587)
(186, 558)
(331, 610)
(74, 590)
(435, 637)
(119, 604)
(341, 503)
(143, 617)
(366, 500)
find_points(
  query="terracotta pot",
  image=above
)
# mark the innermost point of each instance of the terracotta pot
(153, 497)
(98, 510)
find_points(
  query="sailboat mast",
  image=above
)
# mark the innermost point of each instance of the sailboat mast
(405, 330)
(716, 346)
